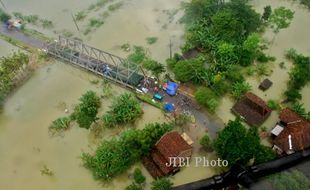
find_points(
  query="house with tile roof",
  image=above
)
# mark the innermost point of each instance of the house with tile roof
(291, 134)
(171, 145)
(252, 108)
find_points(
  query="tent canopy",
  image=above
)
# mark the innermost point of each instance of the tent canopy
(171, 88)
(169, 107)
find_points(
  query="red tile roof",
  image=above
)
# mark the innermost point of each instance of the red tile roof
(254, 110)
(297, 127)
(288, 116)
(172, 144)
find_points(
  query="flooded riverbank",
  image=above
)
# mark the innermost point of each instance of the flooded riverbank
(295, 36)
(6, 48)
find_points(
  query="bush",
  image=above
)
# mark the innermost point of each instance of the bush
(124, 109)
(60, 124)
(138, 176)
(151, 40)
(192, 70)
(162, 184)
(85, 113)
(4, 16)
(292, 180)
(240, 88)
(207, 98)
(115, 156)
(273, 105)
(133, 186)
(205, 142)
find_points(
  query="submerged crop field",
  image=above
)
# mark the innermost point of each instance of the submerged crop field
(134, 86)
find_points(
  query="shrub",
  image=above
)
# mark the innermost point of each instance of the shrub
(124, 109)
(205, 142)
(207, 98)
(85, 113)
(4, 16)
(292, 180)
(133, 186)
(151, 40)
(115, 156)
(60, 124)
(162, 184)
(273, 105)
(138, 176)
(240, 88)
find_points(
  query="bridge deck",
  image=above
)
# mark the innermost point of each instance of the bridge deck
(112, 67)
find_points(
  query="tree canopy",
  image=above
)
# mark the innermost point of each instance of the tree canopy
(238, 145)
(85, 113)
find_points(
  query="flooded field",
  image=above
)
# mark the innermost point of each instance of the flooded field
(296, 36)
(6, 48)
(132, 23)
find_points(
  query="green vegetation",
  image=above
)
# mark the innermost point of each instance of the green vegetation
(34, 20)
(207, 98)
(138, 176)
(306, 3)
(299, 75)
(106, 88)
(85, 113)
(300, 109)
(134, 186)
(238, 145)
(240, 88)
(151, 40)
(124, 109)
(267, 13)
(4, 16)
(115, 6)
(226, 34)
(274, 105)
(205, 142)
(115, 156)
(292, 180)
(162, 184)
(140, 57)
(190, 70)
(10, 67)
(281, 18)
(60, 124)
(80, 16)
(46, 171)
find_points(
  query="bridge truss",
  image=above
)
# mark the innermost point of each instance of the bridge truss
(97, 61)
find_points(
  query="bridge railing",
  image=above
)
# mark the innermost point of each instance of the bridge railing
(103, 63)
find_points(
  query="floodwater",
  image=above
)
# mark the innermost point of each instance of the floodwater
(296, 36)
(132, 23)
(25, 145)
(6, 48)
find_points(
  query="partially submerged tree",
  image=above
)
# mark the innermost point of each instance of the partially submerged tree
(124, 109)
(281, 18)
(162, 184)
(85, 113)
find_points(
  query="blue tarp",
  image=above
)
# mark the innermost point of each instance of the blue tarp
(169, 107)
(171, 88)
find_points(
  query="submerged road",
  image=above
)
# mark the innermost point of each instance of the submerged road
(34, 42)
(204, 119)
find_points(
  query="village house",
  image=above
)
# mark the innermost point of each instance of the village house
(170, 145)
(252, 108)
(291, 133)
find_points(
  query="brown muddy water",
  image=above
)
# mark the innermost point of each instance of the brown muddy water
(25, 144)
(6, 48)
(296, 36)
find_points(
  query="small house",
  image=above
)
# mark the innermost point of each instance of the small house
(171, 145)
(252, 108)
(14, 23)
(291, 134)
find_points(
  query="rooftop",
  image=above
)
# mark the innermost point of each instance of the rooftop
(252, 108)
(170, 145)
